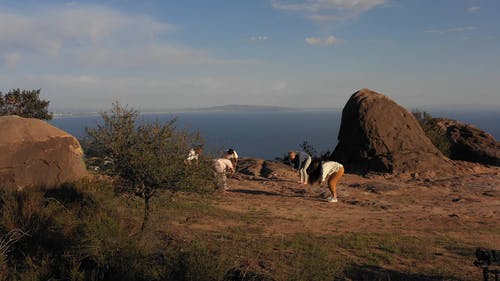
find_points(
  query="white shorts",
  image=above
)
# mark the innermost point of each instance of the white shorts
(328, 168)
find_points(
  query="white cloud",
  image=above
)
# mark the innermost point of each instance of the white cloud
(332, 40)
(451, 30)
(328, 10)
(329, 41)
(258, 38)
(48, 31)
(279, 86)
(321, 17)
(91, 36)
(97, 92)
(314, 41)
(153, 55)
(378, 41)
(473, 10)
(11, 59)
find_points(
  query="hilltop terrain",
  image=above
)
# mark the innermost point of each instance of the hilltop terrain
(405, 210)
(393, 228)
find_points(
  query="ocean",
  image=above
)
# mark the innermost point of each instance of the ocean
(269, 135)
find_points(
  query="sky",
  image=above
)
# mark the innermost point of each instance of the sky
(165, 54)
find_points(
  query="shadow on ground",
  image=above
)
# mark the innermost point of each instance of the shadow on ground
(369, 273)
(255, 192)
(295, 193)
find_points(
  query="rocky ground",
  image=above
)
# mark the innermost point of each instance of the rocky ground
(374, 202)
(463, 208)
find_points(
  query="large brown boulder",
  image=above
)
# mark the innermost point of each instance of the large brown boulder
(36, 154)
(470, 143)
(376, 134)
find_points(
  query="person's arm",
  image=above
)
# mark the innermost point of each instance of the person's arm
(190, 157)
(235, 160)
(230, 167)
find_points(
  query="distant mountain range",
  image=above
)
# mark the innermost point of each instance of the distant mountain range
(267, 108)
(251, 108)
(239, 107)
(222, 108)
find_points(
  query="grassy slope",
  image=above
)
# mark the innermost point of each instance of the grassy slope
(86, 232)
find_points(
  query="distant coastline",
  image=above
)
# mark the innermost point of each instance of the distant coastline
(435, 110)
(231, 108)
(266, 134)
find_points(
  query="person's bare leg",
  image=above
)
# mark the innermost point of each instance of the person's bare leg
(302, 173)
(332, 182)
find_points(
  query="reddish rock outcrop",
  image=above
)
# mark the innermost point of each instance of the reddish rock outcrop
(36, 154)
(470, 143)
(265, 169)
(250, 166)
(376, 134)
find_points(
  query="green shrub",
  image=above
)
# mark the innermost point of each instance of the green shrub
(432, 131)
(66, 236)
(145, 158)
(313, 260)
(24, 103)
(75, 232)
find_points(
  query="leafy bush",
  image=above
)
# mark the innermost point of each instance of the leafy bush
(146, 158)
(69, 234)
(25, 103)
(308, 148)
(432, 131)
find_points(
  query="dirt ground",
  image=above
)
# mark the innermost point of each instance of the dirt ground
(464, 207)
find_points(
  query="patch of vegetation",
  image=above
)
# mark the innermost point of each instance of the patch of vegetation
(146, 158)
(458, 247)
(313, 259)
(24, 103)
(85, 231)
(308, 148)
(385, 248)
(432, 131)
(313, 152)
(72, 233)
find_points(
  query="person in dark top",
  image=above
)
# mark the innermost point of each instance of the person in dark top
(301, 161)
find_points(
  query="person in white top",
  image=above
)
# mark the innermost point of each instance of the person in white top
(231, 155)
(221, 167)
(193, 155)
(330, 171)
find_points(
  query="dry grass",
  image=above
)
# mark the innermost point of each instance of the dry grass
(87, 232)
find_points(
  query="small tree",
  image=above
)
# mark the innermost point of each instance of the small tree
(144, 157)
(432, 131)
(308, 148)
(25, 103)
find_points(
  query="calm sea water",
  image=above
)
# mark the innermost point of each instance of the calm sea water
(270, 134)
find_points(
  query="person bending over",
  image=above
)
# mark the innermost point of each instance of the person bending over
(231, 155)
(331, 172)
(222, 166)
(301, 161)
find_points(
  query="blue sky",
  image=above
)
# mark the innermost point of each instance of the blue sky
(154, 54)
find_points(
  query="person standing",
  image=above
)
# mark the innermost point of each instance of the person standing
(302, 160)
(330, 171)
(221, 167)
